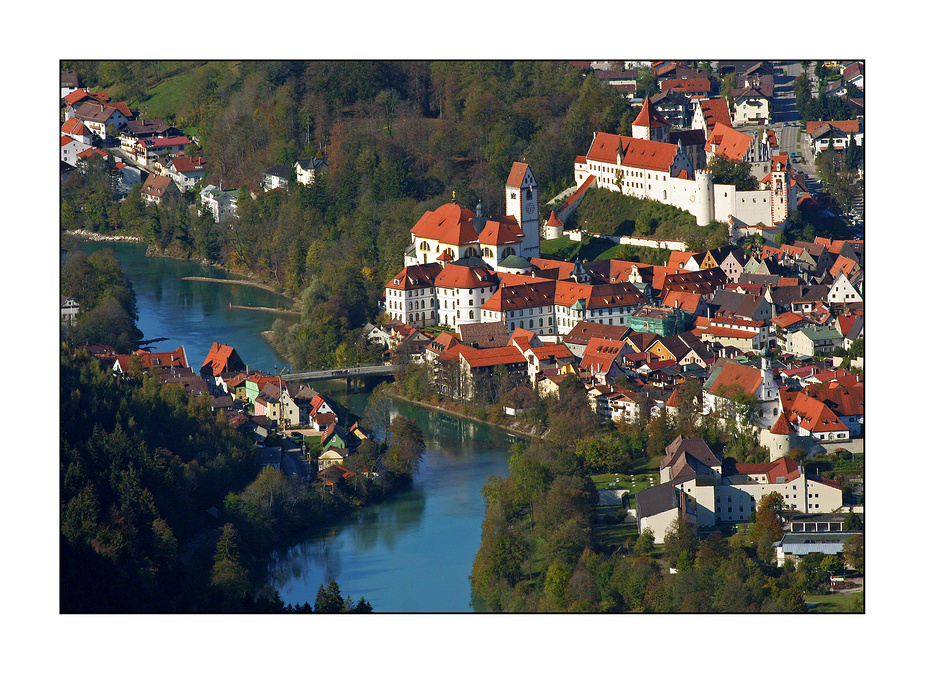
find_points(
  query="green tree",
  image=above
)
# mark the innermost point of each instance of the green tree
(405, 447)
(228, 574)
(768, 528)
(681, 542)
(329, 600)
(645, 543)
(730, 172)
(853, 550)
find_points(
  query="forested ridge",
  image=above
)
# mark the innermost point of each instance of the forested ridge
(164, 506)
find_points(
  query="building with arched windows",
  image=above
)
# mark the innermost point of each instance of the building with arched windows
(453, 232)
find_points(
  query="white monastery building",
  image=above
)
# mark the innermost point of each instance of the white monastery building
(648, 168)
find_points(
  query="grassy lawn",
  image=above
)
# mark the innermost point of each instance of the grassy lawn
(166, 96)
(833, 603)
(624, 481)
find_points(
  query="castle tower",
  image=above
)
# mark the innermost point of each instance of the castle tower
(780, 189)
(554, 226)
(703, 197)
(521, 194)
(777, 439)
(650, 124)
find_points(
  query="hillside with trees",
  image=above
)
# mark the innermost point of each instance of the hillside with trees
(400, 138)
(164, 506)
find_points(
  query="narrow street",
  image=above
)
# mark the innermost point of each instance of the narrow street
(790, 135)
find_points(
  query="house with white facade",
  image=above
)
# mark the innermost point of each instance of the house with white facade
(752, 104)
(836, 135)
(185, 171)
(306, 170)
(76, 129)
(71, 149)
(729, 378)
(101, 119)
(222, 204)
(69, 310)
(662, 171)
(410, 297)
(697, 486)
(277, 176)
(814, 340)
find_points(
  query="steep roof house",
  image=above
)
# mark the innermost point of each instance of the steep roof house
(157, 188)
(843, 291)
(729, 378)
(602, 358)
(186, 171)
(103, 120)
(834, 134)
(76, 129)
(307, 170)
(752, 103)
(813, 417)
(709, 112)
(695, 485)
(221, 359)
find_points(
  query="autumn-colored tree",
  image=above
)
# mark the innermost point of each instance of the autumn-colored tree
(768, 527)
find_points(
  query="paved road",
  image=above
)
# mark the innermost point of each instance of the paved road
(790, 136)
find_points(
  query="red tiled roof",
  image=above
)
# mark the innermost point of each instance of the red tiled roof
(847, 125)
(728, 142)
(782, 426)
(500, 232)
(416, 276)
(449, 224)
(461, 276)
(217, 358)
(500, 355)
(91, 152)
(734, 376)
(516, 177)
(649, 116)
(74, 126)
(509, 296)
(715, 111)
(157, 143)
(638, 153)
(184, 164)
(691, 85)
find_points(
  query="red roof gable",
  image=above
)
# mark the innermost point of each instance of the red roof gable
(637, 153)
(449, 224)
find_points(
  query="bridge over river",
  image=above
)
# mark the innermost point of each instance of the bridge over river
(353, 375)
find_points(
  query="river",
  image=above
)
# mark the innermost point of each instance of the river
(413, 553)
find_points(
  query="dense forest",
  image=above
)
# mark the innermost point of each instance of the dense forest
(165, 508)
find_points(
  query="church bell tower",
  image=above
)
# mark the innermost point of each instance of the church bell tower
(521, 196)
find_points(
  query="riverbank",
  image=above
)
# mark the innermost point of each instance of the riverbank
(95, 236)
(153, 251)
(512, 426)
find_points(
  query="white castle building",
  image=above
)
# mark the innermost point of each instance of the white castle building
(645, 167)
